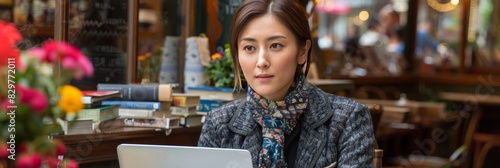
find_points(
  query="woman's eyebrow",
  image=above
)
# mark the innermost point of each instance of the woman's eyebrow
(275, 37)
(267, 39)
(248, 39)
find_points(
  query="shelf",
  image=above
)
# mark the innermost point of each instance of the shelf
(33, 30)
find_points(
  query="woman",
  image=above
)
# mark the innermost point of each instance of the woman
(285, 121)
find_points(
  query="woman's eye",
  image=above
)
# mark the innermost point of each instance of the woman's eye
(276, 46)
(248, 48)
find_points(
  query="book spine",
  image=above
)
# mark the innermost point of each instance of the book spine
(123, 112)
(136, 92)
(164, 123)
(156, 106)
(179, 101)
(183, 110)
(209, 105)
(109, 113)
(89, 113)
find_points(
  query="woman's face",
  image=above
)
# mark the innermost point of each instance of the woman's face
(268, 55)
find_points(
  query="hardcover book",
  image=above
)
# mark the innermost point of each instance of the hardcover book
(100, 113)
(150, 105)
(208, 105)
(94, 96)
(183, 110)
(152, 122)
(79, 126)
(140, 92)
(215, 93)
(185, 100)
(128, 112)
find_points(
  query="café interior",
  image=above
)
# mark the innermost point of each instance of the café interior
(431, 78)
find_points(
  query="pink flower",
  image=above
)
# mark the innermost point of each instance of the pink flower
(80, 64)
(71, 164)
(9, 36)
(3, 150)
(61, 148)
(34, 98)
(29, 161)
(52, 162)
(23, 148)
(3, 105)
(71, 58)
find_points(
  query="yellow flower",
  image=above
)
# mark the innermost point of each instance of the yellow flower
(71, 99)
(216, 56)
(141, 57)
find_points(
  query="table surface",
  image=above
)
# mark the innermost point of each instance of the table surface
(465, 97)
(329, 81)
(99, 147)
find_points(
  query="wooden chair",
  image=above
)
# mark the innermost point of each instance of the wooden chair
(483, 142)
(481, 158)
(424, 161)
(376, 113)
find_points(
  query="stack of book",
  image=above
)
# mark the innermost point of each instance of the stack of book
(142, 105)
(213, 97)
(185, 107)
(93, 113)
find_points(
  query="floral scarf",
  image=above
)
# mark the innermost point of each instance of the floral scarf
(277, 118)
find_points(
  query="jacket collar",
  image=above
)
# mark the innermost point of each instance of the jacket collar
(319, 108)
(318, 112)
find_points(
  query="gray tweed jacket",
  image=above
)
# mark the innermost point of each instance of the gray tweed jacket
(334, 130)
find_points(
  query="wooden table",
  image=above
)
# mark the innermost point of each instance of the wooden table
(477, 98)
(101, 147)
(334, 86)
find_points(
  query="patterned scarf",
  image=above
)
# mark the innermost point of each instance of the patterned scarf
(277, 118)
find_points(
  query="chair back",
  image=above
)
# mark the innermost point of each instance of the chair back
(376, 114)
(377, 158)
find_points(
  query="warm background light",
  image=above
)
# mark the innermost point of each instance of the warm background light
(364, 15)
(443, 7)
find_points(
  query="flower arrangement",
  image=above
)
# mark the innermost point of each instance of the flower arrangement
(221, 70)
(149, 66)
(32, 100)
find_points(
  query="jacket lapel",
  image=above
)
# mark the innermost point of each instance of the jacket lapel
(242, 122)
(313, 142)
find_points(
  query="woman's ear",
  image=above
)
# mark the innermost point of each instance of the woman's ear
(303, 53)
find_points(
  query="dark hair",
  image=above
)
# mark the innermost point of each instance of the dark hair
(289, 13)
(400, 31)
(372, 23)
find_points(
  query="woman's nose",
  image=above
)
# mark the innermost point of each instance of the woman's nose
(262, 61)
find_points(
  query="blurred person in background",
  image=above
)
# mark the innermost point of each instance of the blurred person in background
(425, 43)
(373, 44)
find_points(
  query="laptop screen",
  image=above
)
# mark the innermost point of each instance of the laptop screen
(139, 155)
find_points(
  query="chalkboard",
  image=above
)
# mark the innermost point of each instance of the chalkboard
(220, 15)
(99, 29)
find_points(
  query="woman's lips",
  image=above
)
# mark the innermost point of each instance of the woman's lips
(264, 77)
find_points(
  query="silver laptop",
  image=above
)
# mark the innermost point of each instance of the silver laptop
(137, 155)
